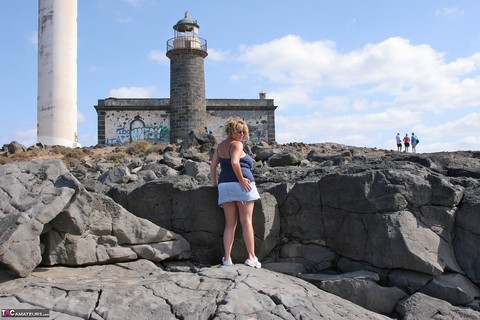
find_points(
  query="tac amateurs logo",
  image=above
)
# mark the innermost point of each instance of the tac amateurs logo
(33, 313)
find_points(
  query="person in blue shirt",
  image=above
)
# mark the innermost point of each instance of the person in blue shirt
(236, 189)
(414, 142)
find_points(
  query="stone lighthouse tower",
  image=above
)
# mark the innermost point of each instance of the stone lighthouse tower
(186, 52)
(57, 73)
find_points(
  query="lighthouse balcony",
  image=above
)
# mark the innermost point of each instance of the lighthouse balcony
(187, 42)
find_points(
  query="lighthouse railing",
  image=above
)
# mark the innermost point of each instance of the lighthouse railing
(187, 42)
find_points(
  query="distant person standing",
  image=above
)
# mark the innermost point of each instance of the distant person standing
(414, 142)
(399, 142)
(406, 142)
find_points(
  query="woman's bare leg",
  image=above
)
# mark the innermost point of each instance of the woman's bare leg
(231, 217)
(246, 213)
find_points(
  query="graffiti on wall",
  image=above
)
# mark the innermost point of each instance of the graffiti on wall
(257, 122)
(256, 133)
(139, 131)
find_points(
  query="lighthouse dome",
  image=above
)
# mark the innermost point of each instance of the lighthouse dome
(186, 24)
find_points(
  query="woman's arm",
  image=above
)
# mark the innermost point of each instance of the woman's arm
(236, 152)
(213, 168)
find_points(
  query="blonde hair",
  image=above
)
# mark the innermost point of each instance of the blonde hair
(232, 125)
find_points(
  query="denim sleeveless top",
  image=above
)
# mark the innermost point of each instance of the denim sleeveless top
(227, 174)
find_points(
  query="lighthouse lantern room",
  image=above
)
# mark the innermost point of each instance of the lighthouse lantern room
(186, 35)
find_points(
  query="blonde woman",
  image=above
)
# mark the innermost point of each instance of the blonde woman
(236, 189)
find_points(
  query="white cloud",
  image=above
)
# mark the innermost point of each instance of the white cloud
(402, 72)
(81, 117)
(27, 137)
(238, 76)
(124, 19)
(93, 69)
(29, 133)
(457, 129)
(158, 56)
(316, 124)
(367, 95)
(134, 3)
(451, 12)
(338, 103)
(218, 55)
(289, 60)
(34, 39)
(133, 92)
(88, 139)
(293, 95)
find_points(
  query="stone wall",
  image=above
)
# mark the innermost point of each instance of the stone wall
(258, 114)
(122, 121)
(123, 127)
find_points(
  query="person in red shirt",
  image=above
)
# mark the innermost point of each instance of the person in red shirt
(406, 142)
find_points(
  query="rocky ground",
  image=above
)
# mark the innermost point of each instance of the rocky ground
(416, 213)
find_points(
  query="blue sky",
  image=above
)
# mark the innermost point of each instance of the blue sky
(346, 71)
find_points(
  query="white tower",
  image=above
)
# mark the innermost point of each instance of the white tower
(57, 73)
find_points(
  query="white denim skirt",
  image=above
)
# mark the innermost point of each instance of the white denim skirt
(232, 191)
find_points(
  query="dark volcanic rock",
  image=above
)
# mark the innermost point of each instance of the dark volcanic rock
(48, 217)
(328, 214)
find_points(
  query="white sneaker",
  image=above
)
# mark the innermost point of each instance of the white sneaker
(253, 263)
(226, 263)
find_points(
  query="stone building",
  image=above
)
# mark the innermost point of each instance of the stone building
(122, 121)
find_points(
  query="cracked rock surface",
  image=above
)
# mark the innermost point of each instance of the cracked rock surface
(394, 233)
(142, 290)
